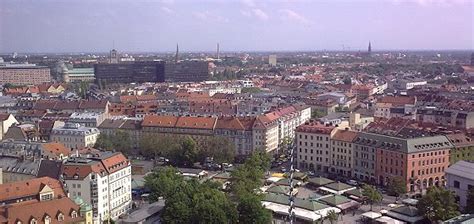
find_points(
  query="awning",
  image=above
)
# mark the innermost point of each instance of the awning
(388, 220)
(372, 215)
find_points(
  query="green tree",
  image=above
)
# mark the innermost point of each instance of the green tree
(251, 90)
(373, 195)
(163, 183)
(220, 148)
(251, 210)
(122, 142)
(332, 216)
(438, 204)
(397, 186)
(104, 142)
(470, 201)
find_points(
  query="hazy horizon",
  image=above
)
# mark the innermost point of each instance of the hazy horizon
(147, 26)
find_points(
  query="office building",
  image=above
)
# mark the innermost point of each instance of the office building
(24, 74)
(146, 71)
(187, 71)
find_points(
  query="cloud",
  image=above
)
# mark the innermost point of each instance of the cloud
(260, 14)
(167, 10)
(291, 15)
(208, 16)
(257, 13)
(248, 3)
(426, 3)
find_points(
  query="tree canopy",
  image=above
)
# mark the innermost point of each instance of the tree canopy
(120, 141)
(397, 186)
(373, 195)
(438, 204)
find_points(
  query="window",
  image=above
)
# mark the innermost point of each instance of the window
(60, 217)
(74, 214)
(33, 221)
(47, 220)
(456, 184)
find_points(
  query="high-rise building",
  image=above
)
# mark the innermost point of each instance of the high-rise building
(24, 74)
(217, 51)
(187, 71)
(146, 71)
(176, 58)
(472, 59)
(272, 60)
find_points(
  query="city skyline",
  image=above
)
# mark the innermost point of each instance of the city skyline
(238, 25)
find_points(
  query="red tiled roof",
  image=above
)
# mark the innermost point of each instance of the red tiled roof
(82, 170)
(344, 135)
(24, 212)
(398, 100)
(56, 148)
(115, 162)
(196, 122)
(159, 121)
(315, 127)
(30, 188)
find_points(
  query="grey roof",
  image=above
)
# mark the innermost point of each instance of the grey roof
(144, 212)
(15, 165)
(463, 169)
(462, 219)
(411, 145)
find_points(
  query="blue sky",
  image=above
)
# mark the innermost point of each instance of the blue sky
(238, 25)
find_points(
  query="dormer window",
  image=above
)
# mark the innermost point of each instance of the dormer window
(60, 217)
(47, 219)
(74, 214)
(33, 221)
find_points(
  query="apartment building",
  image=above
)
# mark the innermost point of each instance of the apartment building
(104, 182)
(288, 119)
(449, 117)
(40, 200)
(463, 148)
(239, 131)
(364, 158)
(75, 136)
(313, 146)
(342, 162)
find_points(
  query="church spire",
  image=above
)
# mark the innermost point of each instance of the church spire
(176, 55)
(369, 51)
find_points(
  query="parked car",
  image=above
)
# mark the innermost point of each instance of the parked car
(352, 182)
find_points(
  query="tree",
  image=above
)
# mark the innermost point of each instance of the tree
(163, 183)
(250, 90)
(397, 186)
(104, 142)
(189, 201)
(332, 216)
(438, 204)
(220, 148)
(470, 201)
(122, 142)
(251, 210)
(372, 195)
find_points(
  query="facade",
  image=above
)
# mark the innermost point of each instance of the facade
(39, 200)
(104, 182)
(150, 71)
(75, 136)
(80, 75)
(463, 148)
(313, 146)
(288, 119)
(24, 75)
(406, 84)
(187, 71)
(460, 179)
(342, 162)
(420, 161)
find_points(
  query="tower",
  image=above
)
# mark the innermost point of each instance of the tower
(113, 58)
(217, 51)
(472, 59)
(176, 55)
(369, 50)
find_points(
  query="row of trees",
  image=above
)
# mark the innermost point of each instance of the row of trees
(188, 201)
(181, 151)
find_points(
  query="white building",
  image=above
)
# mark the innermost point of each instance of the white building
(272, 60)
(87, 119)
(246, 83)
(104, 182)
(313, 146)
(460, 177)
(6, 121)
(288, 119)
(75, 136)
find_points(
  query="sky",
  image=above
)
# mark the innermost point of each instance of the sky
(58, 26)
